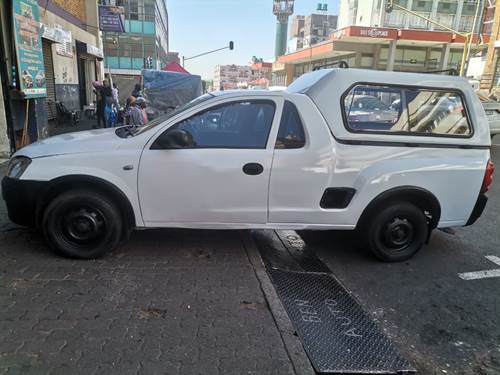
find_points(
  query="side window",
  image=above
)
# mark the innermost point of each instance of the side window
(244, 124)
(291, 131)
(413, 111)
(436, 112)
(375, 108)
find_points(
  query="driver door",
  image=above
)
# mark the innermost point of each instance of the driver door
(217, 178)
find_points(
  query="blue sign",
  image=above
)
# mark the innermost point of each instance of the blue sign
(28, 40)
(111, 18)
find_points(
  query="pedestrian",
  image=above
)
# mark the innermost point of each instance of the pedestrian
(141, 104)
(137, 91)
(133, 114)
(100, 104)
(104, 99)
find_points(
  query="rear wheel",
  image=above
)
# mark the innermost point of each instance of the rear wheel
(396, 232)
(82, 224)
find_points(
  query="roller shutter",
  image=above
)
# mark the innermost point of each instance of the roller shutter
(50, 80)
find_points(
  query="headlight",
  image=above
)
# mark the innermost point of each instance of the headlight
(17, 166)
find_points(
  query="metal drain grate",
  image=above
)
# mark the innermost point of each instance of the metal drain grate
(337, 334)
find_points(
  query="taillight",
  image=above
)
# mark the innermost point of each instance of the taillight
(488, 176)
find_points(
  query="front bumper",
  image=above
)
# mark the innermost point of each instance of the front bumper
(478, 209)
(22, 197)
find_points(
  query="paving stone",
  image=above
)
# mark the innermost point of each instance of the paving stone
(168, 302)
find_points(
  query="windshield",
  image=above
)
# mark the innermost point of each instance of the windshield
(132, 131)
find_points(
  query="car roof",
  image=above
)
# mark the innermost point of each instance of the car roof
(317, 82)
(238, 93)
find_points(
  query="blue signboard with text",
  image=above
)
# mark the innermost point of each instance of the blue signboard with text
(28, 40)
(111, 18)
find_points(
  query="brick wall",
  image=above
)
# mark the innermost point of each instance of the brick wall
(74, 7)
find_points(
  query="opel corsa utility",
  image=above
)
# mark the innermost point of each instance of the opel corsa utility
(391, 155)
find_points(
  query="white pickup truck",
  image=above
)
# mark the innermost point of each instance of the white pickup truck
(392, 155)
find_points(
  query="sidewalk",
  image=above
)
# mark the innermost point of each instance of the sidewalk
(166, 302)
(84, 124)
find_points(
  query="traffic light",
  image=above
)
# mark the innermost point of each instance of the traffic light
(148, 64)
(231, 45)
(389, 6)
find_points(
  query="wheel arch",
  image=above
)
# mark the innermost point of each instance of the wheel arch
(64, 183)
(418, 196)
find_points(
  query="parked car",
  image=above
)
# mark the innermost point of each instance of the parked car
(291, 159)
(492, 110)
(364, 109)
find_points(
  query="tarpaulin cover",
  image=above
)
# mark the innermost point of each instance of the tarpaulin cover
(166, 90)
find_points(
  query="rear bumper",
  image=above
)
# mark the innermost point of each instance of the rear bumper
(478, 209)
(22, 197)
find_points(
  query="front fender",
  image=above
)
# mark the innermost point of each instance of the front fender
(105, 167)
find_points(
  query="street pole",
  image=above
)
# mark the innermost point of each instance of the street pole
(229, 47)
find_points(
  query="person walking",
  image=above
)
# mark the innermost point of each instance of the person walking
(140, 102)
(133, 114)
(100, 105)
(137, 91)
(104, 99)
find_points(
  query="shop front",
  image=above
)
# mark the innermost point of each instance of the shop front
(380, 49)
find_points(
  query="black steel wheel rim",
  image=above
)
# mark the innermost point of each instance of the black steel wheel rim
(83, 226)
(398, 234)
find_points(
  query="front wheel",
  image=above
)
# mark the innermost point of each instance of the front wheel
(396, 232)
(82, 224)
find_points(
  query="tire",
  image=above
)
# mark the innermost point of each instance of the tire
(396, 232)
(83, 224)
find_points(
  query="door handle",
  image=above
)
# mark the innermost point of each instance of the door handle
(253, 169)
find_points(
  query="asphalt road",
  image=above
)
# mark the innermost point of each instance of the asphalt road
(443, 324)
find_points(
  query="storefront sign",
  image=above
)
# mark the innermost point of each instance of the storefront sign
(27, 33)
(366, 32)
(374, 33)
(111, 18)
(56, 34)
(65, 48)
(94, 51)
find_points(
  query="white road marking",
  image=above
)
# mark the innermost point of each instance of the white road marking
(493, 259)
(483, 274)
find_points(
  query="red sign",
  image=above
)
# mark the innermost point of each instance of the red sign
(366, 32)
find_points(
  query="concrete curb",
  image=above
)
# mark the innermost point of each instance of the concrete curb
(292, 343)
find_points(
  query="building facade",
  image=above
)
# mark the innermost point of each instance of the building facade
(370, 38)
(310, 30)
(456, 14)
(67, 42)
(145, 36)
(490, 77)
(143, 45)
(72, 62)
(230, 77)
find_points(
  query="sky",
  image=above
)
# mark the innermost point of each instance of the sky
(197, 26)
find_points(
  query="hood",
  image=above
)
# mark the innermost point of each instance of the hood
(73, 143)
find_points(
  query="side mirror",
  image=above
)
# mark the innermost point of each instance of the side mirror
(173, 139)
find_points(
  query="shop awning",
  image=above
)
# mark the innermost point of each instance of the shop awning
(175, 67)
